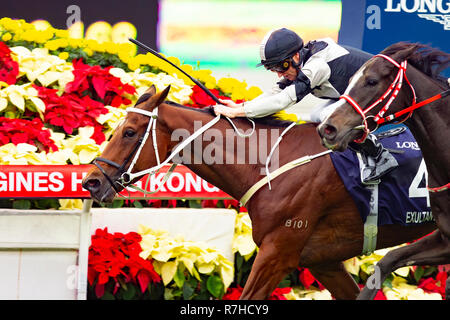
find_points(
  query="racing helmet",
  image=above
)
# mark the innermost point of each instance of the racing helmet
(277, 46)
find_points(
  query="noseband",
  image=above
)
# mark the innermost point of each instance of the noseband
(125, 176)
(394, 88)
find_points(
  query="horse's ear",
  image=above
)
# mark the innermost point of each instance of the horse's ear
(404, 54)
(151, 90)
(161, 97)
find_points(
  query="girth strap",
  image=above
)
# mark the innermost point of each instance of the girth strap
(371, 224)
(288, 166)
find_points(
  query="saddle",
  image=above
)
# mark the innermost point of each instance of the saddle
(400, 197)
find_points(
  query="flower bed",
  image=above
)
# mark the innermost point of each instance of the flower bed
(150, 264)
(61, 99)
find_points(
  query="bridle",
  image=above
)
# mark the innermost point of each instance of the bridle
(394, 88)
(126, 177)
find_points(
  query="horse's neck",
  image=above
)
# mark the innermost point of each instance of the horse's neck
(206, 155)
(430, 126)
(241, 161)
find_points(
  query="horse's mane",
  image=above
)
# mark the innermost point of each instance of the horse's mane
(268, 120)
(429, 60)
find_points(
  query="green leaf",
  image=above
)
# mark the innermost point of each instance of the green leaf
(215, 286)
(46, 204)
(118, 203)
(137, 204)
(179, 278)
(156, 291)
(429, 271)
(239, 260)
(108, 296)
(22, 204)
(286, 282)
(129, 294)
(388, 282)
(195, 204)
(418, 273)
(188, 291)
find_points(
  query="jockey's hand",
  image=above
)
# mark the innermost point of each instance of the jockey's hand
(236, 110)
(230, 103)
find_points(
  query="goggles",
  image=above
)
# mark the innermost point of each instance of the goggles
(281, 66)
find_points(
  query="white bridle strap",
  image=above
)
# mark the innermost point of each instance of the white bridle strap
(180, 147)
(152, 126)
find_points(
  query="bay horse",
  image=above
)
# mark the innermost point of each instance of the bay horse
(332, 228)
(361, 108)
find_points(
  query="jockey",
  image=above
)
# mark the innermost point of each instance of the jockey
(322, 68)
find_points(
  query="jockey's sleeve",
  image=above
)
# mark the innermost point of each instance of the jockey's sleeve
(316, 70)
(269, 104)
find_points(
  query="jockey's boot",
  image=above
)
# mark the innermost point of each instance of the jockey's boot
(377, 161)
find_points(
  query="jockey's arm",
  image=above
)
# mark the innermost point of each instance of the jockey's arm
(260, 106)
(314, 72)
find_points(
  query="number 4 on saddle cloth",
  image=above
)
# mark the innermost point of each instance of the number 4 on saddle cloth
(402, 193)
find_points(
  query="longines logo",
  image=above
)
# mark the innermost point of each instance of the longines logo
(434, 10)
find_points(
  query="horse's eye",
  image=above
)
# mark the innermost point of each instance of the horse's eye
(129, 133)
(372, 82)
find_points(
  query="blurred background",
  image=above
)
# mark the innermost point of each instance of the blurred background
(220, 35)
(224, 35)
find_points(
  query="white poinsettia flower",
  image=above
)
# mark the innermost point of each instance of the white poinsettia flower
(38, 64)
(18, 95)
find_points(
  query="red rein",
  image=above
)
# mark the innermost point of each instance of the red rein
(394, 88)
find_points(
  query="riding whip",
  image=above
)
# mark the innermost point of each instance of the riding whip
(143, 46)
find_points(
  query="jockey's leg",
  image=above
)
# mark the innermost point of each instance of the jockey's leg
(377, 160)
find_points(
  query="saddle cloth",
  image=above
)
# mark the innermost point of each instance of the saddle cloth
(402, 194)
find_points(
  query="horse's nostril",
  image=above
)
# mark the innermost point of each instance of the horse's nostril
(329, 131)
(91, 185)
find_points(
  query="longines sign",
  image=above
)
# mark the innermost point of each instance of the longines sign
(372, 25)
(433, 10)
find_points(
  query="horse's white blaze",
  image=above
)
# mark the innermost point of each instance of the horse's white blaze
(331, 108)
(355, 79)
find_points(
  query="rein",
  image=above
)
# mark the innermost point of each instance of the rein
(394, 88)
(125, 177)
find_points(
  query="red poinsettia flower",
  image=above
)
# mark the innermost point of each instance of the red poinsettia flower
(117, 255)
(436, 285)
(94, 79)
(158, 203)
(201, 99)
(379, 296)
(209, 203)
(26, 131)
(235, 293)
(69, 111)
(9, 69)
(307, 279)
(278, 293)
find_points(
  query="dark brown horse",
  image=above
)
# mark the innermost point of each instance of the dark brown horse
(430, 125)
(331, 230)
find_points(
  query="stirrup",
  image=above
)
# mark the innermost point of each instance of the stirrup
(370, 182)
(363, 167)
